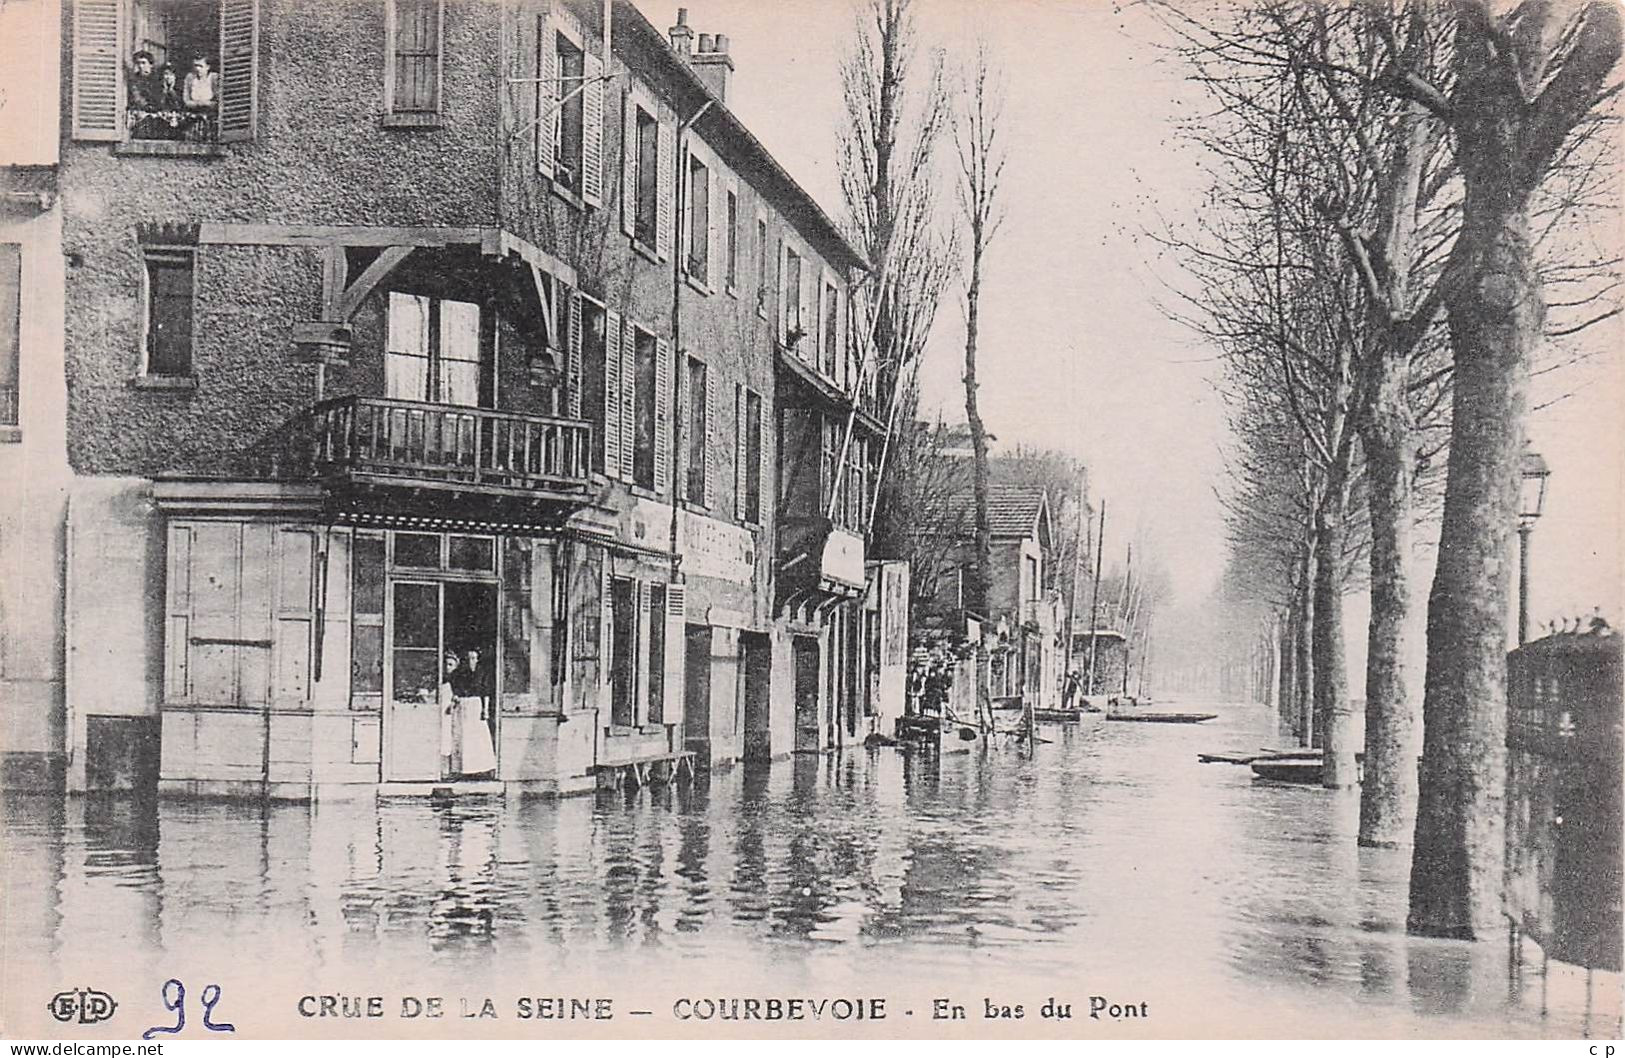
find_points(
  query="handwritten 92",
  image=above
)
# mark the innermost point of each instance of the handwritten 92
(174, 996)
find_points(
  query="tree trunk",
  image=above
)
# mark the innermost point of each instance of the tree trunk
(1303, 693)
(1286, 674)
(1388, 790)
(1331, 683)
(1495, 314)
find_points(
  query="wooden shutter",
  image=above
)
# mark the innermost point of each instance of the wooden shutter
(178, 628)
(663, 416)
(741, 446)
(629, 163)
(666, 158)
(239, 62)
(573, 356)
(629, 400)
(612, 393)
(642, 663)
(809, 321)
(592, 131)
(676, 650)
(767, 488)
(547, 99)
(683, 422)
(716, 271)
(293, 604)
(710, 397)
(330, 669)
(257, 614)
(784, 299)
(98, 70)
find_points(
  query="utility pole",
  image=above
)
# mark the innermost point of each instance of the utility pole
(1094, 606)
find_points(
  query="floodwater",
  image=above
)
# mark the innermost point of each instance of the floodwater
(1107, 863)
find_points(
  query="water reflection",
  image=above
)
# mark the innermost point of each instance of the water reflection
(1107, 855)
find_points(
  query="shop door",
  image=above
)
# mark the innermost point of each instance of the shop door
(411, 706)
(804, 655)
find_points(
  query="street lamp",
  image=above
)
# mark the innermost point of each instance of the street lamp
(1533, 473)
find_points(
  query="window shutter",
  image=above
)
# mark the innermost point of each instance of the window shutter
(293, 599)
(573, 356)
(629, 163)
(330, 677)
(818, 325)
(716, 272)
(612, 393)
(592, 131)
(808, 320)
(663, 416)
(666, 157)
(676, 650)
(767, 495)
(98, 71)
(178, 633)
(784, 300)
(547, 104)
(740, 448)
(683, 421)
(710, 397)
(239, 65)
(629, 399)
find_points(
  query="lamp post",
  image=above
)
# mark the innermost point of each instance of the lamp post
(1533, 473)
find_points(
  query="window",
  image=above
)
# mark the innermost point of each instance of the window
(761, 265)
(648, 178)
(696, 425)
(169, 313)
(570, 96)
(699, 220)
(11, 289)
(592, 376)
(791, 296)
(623, 652)
(753, 457)
(733, 240)
(831, 305)
(643, 409)
(434, 351)
(414, 56)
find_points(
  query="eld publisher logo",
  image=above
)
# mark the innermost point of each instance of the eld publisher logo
(85, 1006)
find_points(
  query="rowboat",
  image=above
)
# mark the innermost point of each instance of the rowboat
(1161, 718)
(1298, 769)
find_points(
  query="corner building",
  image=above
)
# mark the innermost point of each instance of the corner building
(439, 330)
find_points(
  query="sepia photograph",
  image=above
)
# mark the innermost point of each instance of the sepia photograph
(827, 519)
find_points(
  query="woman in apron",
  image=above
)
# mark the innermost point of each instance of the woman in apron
(448, 716)
(473, 696)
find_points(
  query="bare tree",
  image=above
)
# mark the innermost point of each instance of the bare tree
(981, 161)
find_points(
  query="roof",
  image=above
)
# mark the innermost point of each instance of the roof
(1013, 511)
(799, 207)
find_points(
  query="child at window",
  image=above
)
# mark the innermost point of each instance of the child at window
(202, 87)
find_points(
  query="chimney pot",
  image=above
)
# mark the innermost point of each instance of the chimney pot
(682, 37)
(705, 42)
(720, 43)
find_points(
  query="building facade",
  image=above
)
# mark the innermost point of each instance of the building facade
(484, 345)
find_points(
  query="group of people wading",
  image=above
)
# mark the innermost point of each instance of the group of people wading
(465, 715)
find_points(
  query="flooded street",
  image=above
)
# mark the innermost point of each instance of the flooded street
(1109, 863)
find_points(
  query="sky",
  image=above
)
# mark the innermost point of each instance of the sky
(1078, 350)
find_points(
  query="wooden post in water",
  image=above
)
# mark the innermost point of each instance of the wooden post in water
(1094, 606)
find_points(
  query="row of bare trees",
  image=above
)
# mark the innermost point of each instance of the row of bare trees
(1403, 222)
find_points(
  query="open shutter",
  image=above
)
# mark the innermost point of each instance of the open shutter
(666, 158)
(547, 107)
(663, 416)
(767, 495)
(573, 356)
(592, 131)
(676, 649)
(683, 422)
(629, 399)
(783, 285)
(98, 71)
(809, 320)
(741, 446)
(239, 62)
(612, 393)
(716, 273)
(710, 397)
(629, 163)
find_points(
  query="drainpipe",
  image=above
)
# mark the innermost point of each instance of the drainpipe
(681, 185)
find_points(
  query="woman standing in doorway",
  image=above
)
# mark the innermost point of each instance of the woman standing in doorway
(449, 716)
(473, 694)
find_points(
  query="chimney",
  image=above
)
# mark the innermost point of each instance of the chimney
(713, 64)
(682, 38)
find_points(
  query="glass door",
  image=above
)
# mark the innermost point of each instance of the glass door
(412, 713)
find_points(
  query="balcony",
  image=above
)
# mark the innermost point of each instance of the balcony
(373, 442)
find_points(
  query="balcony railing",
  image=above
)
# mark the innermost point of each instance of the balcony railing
(441, 445)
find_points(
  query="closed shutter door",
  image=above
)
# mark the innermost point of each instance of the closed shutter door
(293, 601)
(98, 71)
(710, 397)
(666, 150)
(629, 398)
(178, 628)
(612, 393)
(573, 356)
(330, 668)
(592, 132)
(663, 417)
(676, 644)
(629, 163)
(239, 74)
(642, 663)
